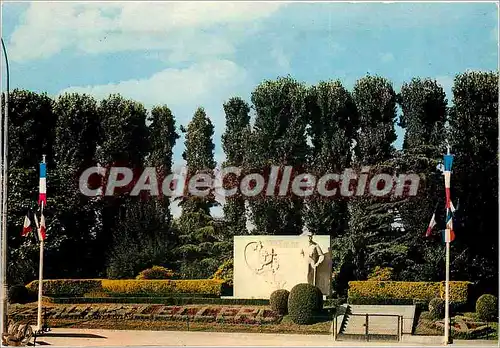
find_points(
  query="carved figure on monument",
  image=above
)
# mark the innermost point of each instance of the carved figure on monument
(264, 262)
(315, 257)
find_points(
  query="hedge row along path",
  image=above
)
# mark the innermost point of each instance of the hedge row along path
(197, 313)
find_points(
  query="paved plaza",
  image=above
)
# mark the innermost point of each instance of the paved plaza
(109, 338)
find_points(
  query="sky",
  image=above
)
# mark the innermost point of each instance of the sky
(188, 54)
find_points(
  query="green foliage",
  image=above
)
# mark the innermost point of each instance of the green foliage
(19, 294)
(235, 145)
(333, 124)
(487, 307)
(141, 239)
(156, 272)
(304, 303)
(372, 235)
(171, 299)
(279, 301)
(31, 128)
(77, 130)
(225, 272)
(437, 308)
(202, 244)
(422, 291)
(423, 104)
(474, 141)
(162, 138)
(161, 288)
(278, 139)
(381, 274)
(66, 287)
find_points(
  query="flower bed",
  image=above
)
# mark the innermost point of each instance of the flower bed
(199, 313)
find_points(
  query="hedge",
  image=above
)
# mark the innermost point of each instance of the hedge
(66, 287)
(158, 300)
(393, 292)
(154, 288)
(129, 288)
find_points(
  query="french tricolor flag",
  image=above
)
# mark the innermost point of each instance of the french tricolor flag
(43, 185)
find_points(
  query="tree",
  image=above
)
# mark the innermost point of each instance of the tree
(75, 145)
(123, 142)
(77, 130)
(198, 249)
(141, 240)
(31, 128)
(333, 126)
(31, 135)
(279, 139)
(474, 181)
(199, 157)
(162, 137)
(234, 143)
(371, 235)
(424, 108)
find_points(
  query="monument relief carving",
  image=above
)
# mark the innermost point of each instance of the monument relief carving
(264, 262)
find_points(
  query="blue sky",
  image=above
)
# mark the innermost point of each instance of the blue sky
(187, 55)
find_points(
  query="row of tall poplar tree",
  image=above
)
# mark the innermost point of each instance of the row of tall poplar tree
(121, 235)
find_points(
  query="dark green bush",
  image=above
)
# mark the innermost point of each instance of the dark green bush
(304, 303)
(279, 301)
(66, 287)
(172, 300)
(436, 308)
(487, 307)
(19, 294)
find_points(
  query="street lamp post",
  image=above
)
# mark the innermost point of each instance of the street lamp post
(3, 195)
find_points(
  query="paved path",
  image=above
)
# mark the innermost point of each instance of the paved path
(89, 337)
(380, 324)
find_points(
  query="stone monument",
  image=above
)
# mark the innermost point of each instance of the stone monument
(265, 263)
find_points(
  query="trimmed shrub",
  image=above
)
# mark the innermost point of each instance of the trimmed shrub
(225, 272)
(279, 301)
(381, 274)
(161, 288)
(19, 294)
(436, 308)
(66, 287)
(487, 307)
(172, 300)
(377, 292)
(304, 304)
(130, 288)
(156, 272)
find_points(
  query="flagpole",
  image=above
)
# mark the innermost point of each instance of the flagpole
(4, 143)
(447, 282)
(447, 296)
(40, 271)
(40, 285)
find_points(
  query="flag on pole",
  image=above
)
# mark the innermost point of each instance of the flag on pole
(448, 235)
(43, 185)
(452, 207)
(27, 226)
(42, 229)
(431, 225)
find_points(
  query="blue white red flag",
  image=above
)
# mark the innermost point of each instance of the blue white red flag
(42, 197)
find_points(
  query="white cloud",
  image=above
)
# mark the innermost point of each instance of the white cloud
(111, 27)
(186, 87)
